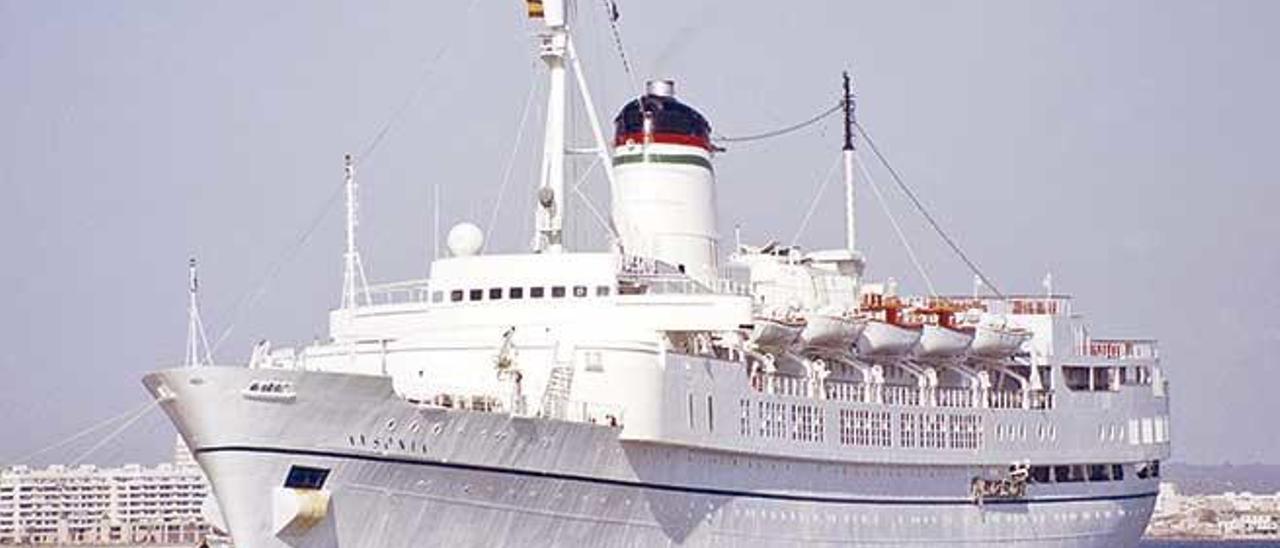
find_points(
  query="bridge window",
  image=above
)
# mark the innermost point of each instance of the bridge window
(1117, 472)
(536, 292)
(455, 295)
(437, 296)
(515, 292)
(495, 293)
(475, 295)
(557, 292)
(602, 291)
(579, 291)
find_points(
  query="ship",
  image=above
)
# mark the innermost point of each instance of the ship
(668, 392)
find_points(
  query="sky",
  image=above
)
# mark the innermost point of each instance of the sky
(1124, 147)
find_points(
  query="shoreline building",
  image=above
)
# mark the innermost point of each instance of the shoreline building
(88, 505)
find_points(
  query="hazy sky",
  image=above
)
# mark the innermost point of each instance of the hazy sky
(1127, 147)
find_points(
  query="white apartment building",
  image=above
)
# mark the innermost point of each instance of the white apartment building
(62, 505)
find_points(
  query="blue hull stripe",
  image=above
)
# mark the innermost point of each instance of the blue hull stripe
(711, 491)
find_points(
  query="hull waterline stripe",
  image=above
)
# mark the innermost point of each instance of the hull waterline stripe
(685, 159)
(657, 486)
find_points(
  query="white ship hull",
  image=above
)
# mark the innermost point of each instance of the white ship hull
(405, 476)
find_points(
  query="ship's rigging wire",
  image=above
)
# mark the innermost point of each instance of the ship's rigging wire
(249, 300)
(780, 131)
(906, 190)
(813, 204)
(412, 98)
(119, 429)
(610, 8)
(897, 229)
(511, 160)
(586, 200)
(74, 437)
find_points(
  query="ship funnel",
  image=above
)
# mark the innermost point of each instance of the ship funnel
(664, 191)
(660, 88)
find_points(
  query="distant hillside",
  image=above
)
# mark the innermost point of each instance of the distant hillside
(1195, 479)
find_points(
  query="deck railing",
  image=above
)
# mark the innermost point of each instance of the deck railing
(899, 395)
(1004, 399)
(954, 397)
(846, 391)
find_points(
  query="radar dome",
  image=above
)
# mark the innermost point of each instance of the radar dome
(465, 239)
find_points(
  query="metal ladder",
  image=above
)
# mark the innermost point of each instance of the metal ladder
(557, 393)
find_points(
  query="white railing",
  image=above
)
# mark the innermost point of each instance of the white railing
(594, 413)
(788, 386)
(954, 397)
(845, 391)
(679, 284)
(1018, 305)
(858, 392)
(900, 395)
(411, 291)
(1004, 399)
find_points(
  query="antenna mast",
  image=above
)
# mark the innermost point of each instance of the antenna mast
(353, 271)
(850, 215)
(195, 328)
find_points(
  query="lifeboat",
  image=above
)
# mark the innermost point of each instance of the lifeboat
(991, 341)
(943, 342)
(884, 339)
(836, 331)
(773, 332)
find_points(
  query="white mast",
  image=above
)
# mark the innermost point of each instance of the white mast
(353, 271)
(195, 328)
(556, 50)
(850, 215)
(553, 49)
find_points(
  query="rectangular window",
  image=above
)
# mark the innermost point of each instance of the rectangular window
(602, 291)
(1098, 472)
(690, 399)
(1062, 474)
(515, 292)
(536, 292)
(557, 292)
(1040, 474)
(475, 294)
(495, 293)
(455, 295)
(711, 415)
(579, 291)
(306, 477)
(1117, 472)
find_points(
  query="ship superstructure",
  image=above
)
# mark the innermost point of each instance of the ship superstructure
(665, 392)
